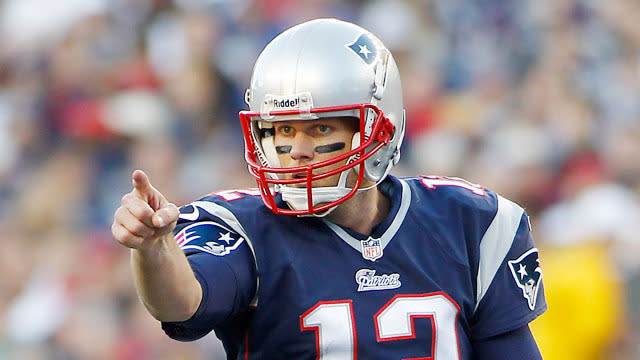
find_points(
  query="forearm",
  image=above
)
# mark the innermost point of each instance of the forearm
(165, 282)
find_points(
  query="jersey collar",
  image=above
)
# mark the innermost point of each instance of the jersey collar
(400, 200)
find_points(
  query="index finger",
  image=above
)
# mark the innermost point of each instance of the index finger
(141, 183)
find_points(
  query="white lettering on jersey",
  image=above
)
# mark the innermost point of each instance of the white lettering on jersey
(368, 280)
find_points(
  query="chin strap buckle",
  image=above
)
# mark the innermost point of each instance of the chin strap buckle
(386, 131)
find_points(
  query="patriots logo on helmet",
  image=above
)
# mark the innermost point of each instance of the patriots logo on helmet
(527, 273)
(209, 237)
(365, 48)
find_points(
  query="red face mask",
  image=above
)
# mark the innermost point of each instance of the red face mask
(377, 135)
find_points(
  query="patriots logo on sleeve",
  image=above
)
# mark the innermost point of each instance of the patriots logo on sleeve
(210, 237)
(365, 48)
(527, 273)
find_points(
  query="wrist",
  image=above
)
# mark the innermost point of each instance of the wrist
(153, 248)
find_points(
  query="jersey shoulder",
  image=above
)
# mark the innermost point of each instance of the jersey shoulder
(444, 192)
(216, 223)
(456, 202)
(236, 202)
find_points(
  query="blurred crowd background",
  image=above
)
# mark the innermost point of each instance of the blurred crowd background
(538, 100)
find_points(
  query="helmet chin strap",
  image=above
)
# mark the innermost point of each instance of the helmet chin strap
(296, 198)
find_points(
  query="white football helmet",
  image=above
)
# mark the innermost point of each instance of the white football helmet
(323, 68)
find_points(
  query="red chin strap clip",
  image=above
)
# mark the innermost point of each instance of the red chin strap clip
(386, 132)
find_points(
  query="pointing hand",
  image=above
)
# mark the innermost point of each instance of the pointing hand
(144, 215)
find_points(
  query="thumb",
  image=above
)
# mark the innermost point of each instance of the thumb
(166, 216)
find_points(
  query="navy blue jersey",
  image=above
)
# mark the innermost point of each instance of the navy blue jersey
(452, 263)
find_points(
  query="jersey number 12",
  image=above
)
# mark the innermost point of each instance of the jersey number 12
(336, 336)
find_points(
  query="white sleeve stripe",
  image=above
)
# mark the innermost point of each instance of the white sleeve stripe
(227, 216)
(495, 244)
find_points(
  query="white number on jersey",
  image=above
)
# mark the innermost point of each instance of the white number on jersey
(333, 322)
(431, 182)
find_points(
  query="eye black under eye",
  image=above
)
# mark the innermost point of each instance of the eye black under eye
(283, 149)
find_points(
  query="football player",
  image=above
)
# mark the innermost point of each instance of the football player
(331, 257)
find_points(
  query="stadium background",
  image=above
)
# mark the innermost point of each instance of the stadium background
(538, 100)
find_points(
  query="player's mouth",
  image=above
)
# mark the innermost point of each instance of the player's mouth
(299, 175)
(302, 176)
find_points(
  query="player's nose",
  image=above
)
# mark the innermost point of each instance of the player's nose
(302, 147)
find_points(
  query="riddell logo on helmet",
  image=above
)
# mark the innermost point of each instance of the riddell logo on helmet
(286, 103)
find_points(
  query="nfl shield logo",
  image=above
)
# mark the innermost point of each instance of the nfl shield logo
(371, 249)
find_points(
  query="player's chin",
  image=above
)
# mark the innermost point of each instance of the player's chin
(326, 182)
